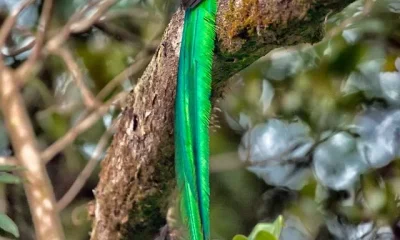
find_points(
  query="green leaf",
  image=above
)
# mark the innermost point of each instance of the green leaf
(9, 178)
(240, 237)
(278, 225)
(8, 225)
(7, 168)
(264, 235)
(274, 228)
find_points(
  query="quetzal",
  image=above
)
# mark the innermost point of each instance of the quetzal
(192, 111)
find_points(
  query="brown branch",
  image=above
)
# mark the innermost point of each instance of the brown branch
(81, 127)
(133, 69)
(80, 181)
(84, 23)
(119, 32)
(88, 99)
(36, 182)
(137, 175)
(77, 23)
(78, 19)
(16, 51)
(7, 161)
(44, 22)
(9, 23)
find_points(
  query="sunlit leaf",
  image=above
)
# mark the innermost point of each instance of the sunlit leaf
(264, 235)
(239, 237)
(274, 229)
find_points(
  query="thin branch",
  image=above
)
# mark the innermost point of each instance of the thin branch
(88, 98)
(83, 24)
(80, 181)
(135, 13)
(77, 23)
(9, 23)
(119, 32)
(18, 50)
(135, 68)
(82, 126)
(44, 22)
(7, 161)
(36, 181)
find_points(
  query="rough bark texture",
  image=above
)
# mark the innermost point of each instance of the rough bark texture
(138, 173)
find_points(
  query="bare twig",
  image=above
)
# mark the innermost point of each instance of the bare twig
(143, 59)
(14, 51)
(44, 22)
(82, 126)
(37, 184)
(84, 23)
(7, 161)
(134, 13)
(8, 24)
(88, 98)
(135, 68)
(76, 24)
(119, 32)
(85, 174)
(43, 26)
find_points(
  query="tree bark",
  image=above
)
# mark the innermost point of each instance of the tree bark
(137, 174)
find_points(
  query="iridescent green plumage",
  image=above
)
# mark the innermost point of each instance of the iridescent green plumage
(192, 111)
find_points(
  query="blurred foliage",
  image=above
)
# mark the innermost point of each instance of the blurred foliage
(319, 125)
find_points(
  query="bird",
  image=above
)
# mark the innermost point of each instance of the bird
(192, 113)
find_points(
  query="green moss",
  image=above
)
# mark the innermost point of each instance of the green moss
(147, 219)
(239, 47)
(253, 18)
(148, 214)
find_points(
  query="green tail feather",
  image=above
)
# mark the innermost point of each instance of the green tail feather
(192, 111)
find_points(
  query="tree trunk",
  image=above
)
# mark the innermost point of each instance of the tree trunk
(137, 175)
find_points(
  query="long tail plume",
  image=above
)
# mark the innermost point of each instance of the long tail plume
(192, 111)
